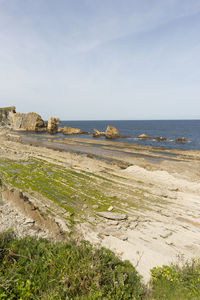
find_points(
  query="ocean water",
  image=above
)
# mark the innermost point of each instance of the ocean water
(171, 129)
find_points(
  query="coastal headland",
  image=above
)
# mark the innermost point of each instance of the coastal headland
(141, 202)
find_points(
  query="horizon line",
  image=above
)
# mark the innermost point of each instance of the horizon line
(132, 120)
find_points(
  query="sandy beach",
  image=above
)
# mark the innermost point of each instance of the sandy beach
(141, 202)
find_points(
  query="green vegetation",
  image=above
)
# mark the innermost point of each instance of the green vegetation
(69, 189)
(40, 269)
(175, 282)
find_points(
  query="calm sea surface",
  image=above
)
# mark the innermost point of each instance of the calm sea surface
(171, 129)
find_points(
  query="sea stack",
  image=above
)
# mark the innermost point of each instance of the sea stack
(111, 132)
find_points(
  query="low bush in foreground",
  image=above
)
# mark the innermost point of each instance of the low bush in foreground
(40, 269)
(175, 282)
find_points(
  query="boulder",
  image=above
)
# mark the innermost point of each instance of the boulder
(70, 131)
(97, 133)
(180, 140)
(111, 133)
(28, 122)
(52, 125)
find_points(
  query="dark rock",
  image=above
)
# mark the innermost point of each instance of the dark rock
(180, 140)
(160, 139)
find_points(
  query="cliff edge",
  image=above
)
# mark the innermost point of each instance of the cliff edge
(21, 121)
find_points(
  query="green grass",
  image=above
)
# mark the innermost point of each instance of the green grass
(40, 269)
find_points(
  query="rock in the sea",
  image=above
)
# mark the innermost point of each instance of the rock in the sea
(161, 139)
(69, 130)
(181, 140)
(59, 129)
(97, 133)
(112, 215)
(111, 133)
(143, 136)
(53, 125)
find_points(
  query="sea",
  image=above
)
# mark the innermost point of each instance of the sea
(170, 129)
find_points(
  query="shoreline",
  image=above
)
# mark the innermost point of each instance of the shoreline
(161, 200)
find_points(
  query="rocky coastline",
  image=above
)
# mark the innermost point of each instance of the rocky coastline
(33, 122)
(133, 199)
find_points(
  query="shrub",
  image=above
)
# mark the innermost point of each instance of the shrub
(41, 269)
(175, 282)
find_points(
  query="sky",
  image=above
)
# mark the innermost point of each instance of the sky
(101, 59)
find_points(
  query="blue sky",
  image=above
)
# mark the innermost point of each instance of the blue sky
(101, 59)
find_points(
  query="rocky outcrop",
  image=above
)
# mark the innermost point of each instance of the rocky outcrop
(28, 122)
(20, 121)
(111, 133)
(181, 140)
(71, 131)
(6, 116)
(53, 125)
(97, 133)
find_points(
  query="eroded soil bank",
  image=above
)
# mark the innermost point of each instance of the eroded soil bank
(156, 190)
